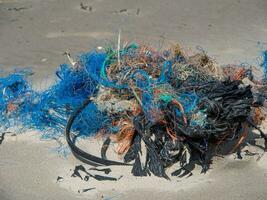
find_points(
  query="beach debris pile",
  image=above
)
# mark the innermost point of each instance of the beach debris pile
(164, 105)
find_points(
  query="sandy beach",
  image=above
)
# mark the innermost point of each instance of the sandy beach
(36, 33)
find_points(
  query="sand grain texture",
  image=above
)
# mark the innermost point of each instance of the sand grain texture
(35, 33)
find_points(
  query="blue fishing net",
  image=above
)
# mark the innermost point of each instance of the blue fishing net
(264, 64)
(48, 111)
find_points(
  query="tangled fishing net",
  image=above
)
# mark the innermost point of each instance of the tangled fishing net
(182, 108)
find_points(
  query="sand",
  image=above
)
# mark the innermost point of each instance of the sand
(30, 168)
(35, 33)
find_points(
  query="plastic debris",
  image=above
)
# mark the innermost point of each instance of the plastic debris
(59, 179)
(86, 190)
(81, 168)
(2, 137)
(183, 108)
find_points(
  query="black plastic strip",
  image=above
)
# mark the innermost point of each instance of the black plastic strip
(79, 153)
